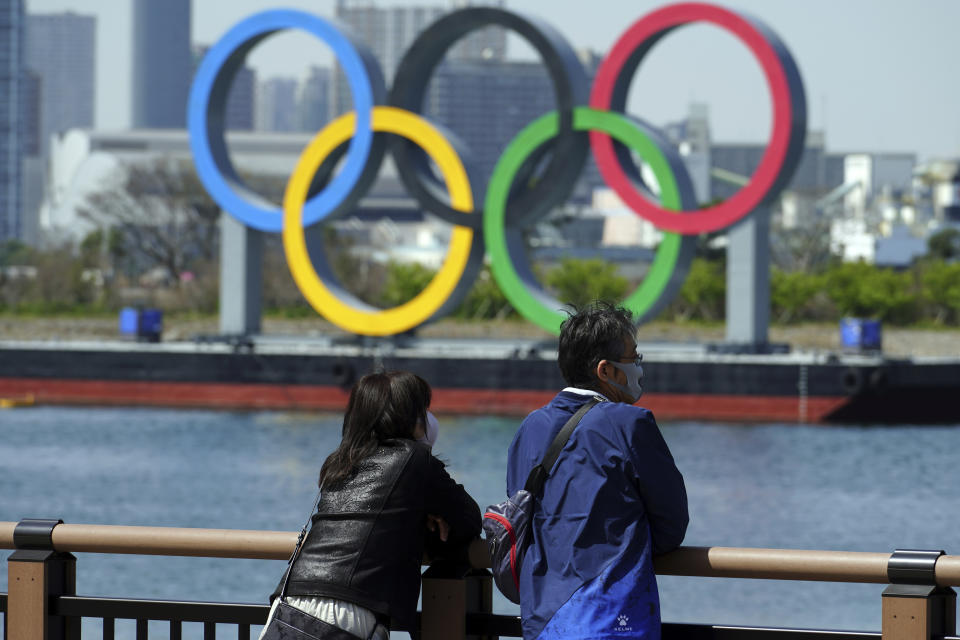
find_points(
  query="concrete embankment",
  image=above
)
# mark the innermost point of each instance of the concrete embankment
(897, 342)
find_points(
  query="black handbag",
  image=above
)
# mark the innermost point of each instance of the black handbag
(286, 622)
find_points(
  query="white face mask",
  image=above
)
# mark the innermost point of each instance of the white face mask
(634, 373)
(431, 429)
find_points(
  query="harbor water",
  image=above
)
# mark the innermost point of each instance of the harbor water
(853, 488)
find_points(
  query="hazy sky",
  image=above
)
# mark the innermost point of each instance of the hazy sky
(880, 75)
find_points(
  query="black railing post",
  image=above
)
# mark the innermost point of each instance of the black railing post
(479, 597)
(914, 607)
(35, 573)
(444, 597)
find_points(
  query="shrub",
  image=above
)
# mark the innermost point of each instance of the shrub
(579, 282)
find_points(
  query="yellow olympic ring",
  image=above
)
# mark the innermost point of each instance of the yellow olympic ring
(326, 303)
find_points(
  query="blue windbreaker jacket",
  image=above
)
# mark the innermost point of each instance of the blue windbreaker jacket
(614, 500)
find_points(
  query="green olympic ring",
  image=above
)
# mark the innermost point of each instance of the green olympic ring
(672, 257)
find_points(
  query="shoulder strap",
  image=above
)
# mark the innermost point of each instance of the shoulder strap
(296, 550)
(540, 472)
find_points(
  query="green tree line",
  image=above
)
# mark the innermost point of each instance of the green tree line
(158, 244)
(93, 276)
(927, 293)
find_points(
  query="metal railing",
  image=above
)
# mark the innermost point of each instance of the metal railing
(174, 612)
(41, 603)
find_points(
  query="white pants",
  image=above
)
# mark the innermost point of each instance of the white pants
(348, 616)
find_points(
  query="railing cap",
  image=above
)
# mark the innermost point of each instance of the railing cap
(913, 566)
(35, 533)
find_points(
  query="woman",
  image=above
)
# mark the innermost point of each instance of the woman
(383, 496)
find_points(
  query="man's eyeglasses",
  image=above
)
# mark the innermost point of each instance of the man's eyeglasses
(636, 360)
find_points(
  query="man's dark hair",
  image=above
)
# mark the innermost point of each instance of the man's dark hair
(591, 334)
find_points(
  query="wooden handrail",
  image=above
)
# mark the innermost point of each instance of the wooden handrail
(165, 541)
(710, 562)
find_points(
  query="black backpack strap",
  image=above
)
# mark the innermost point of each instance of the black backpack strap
(540, 472)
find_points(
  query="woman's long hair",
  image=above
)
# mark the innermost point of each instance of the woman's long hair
(381, 406)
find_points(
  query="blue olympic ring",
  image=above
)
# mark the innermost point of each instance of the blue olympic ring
(205, 117)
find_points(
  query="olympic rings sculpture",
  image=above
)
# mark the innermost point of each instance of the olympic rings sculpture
(584, 120)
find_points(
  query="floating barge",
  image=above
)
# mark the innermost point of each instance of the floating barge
(478, 376)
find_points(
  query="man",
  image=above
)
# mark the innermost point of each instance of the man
(613, 500)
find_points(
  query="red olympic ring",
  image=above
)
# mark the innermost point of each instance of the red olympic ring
(788, 109)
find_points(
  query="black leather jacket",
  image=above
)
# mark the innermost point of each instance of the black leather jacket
(366, 542)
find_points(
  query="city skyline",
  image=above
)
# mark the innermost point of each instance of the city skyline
(877, 74)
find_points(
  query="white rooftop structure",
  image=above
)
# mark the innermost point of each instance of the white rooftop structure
(851, 239)
(82, 160)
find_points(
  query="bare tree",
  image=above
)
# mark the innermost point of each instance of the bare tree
(805, 248)
(161, 211)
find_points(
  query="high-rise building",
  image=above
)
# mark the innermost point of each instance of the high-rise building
(33, 164)
(12, 108)
(475, 91)
(240, 101)
(313, 100)
(31, 92)
(388, 32)
(162, 63)
(692, 138)
(276, 105)
(60, 50)
(239, 112)
(811, 175)
(487, 103)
